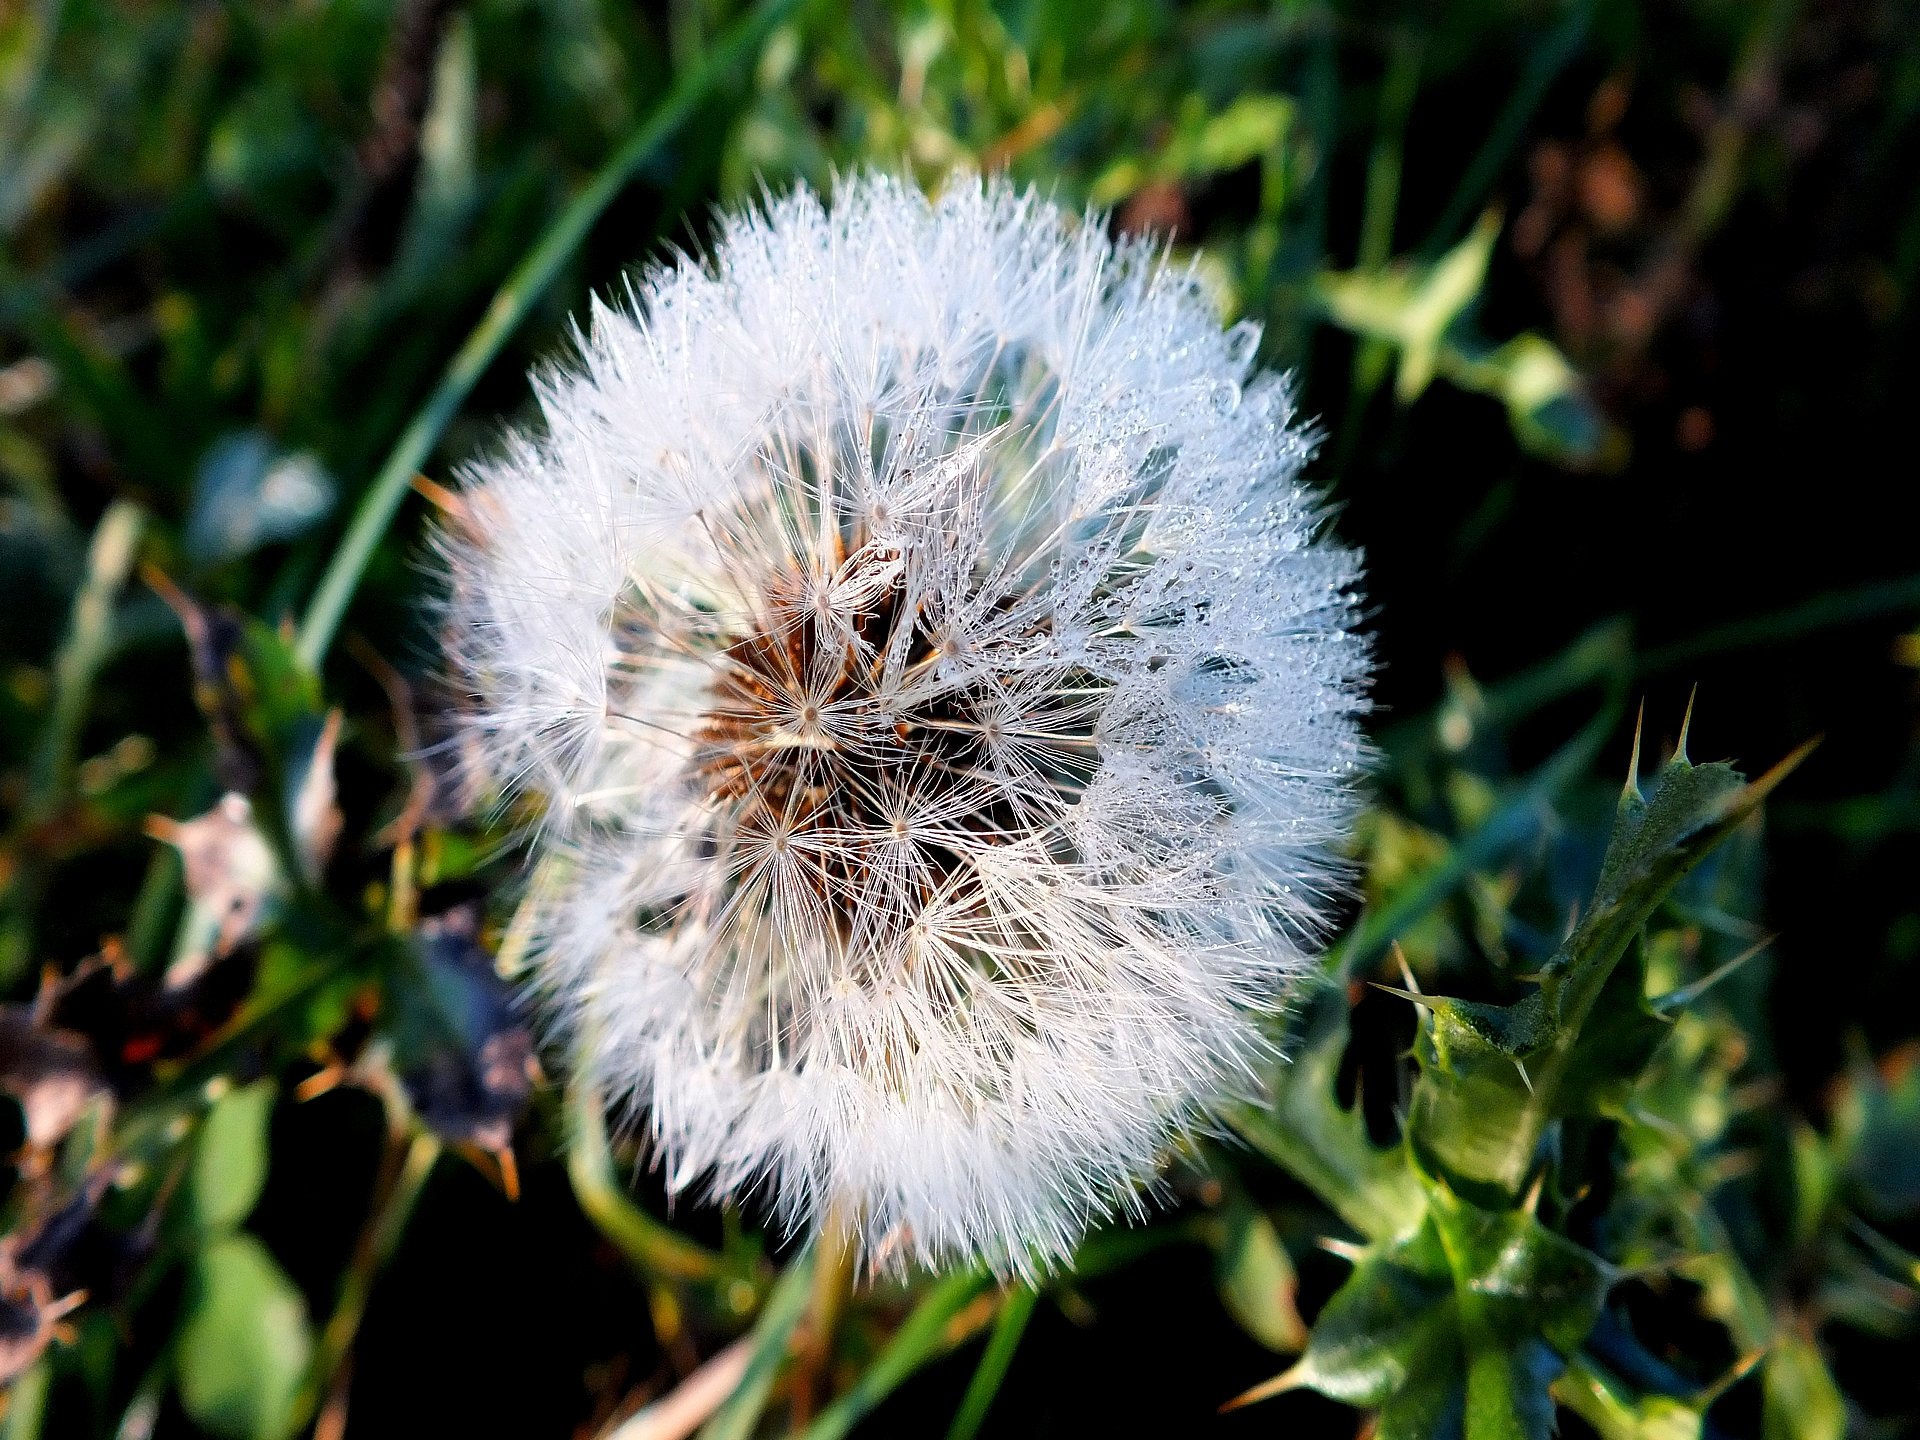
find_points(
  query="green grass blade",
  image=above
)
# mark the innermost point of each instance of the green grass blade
(27, 1402)
(1008, 1327)
(510, 306)
(922, 1337)
(1492, 839)
(1544, 66)
(736, 1419)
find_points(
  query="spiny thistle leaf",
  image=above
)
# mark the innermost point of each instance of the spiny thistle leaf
(1616, 1414)
(1656, 841)
(1390, 1329)
(1621, 1034)
(1464, 1312)
(1493, 1078)
(1324, 1145)
(1802, 1402)
(1465, 1322)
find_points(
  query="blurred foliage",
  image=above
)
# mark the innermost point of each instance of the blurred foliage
(1533, 1160)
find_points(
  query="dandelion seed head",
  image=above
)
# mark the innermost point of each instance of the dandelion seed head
(944, 699)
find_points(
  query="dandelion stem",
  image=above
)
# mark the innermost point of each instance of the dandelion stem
(833, 1281)
(510, 306)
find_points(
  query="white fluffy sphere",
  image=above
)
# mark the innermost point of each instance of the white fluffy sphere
(944, 705)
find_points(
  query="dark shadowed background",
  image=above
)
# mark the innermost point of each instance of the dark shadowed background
(1666, 448)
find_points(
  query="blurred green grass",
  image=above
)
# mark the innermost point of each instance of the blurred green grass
(1606, 311)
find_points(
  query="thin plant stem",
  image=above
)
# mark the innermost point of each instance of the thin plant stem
(657, 1251)
(834, 1276)
(88, 641)
(510, 306)
(412, 1152)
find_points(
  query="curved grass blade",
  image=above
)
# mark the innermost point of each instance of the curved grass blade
(510, 306)
(654, 1249)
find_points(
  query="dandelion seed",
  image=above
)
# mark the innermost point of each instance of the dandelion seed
(944, 704)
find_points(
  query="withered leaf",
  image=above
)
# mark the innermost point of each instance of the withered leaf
(233, 883)
(51, 1072)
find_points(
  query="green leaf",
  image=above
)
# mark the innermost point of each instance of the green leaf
(1457, 1330)
(1517, 1279)
(1547, 403)
(1413, 306)
(244, 1342)
(230, 1158)
(1257, 1282)
(1324, 1145)
(1621, 1034)
(1391, 1328)
(1477, 1112)
(1507, 1394)
(1252, 126)
(1425, 312)
(1656, 841)
(1527, 1298)
(1801, 1400)
(1432, 1411)
(1605, 1404)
